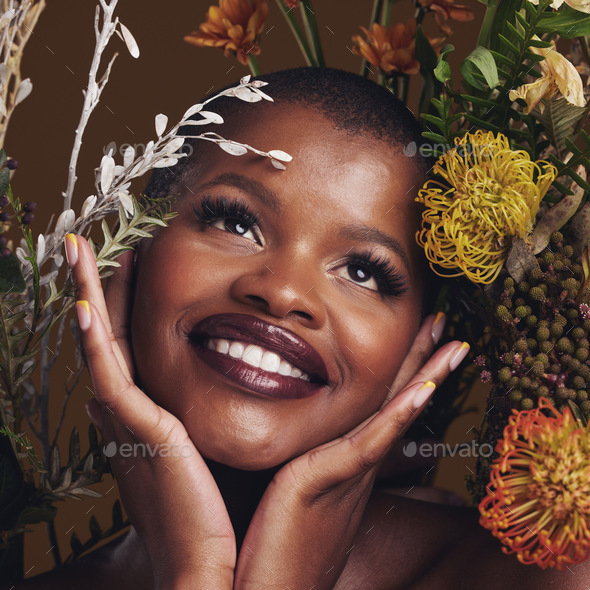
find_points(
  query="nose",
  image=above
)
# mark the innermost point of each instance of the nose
(281, 289)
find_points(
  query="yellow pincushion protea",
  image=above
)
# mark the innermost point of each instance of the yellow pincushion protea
(538, 500)
(486, 193)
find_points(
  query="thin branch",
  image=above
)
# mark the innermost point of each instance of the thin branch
(93, 91)
(69, 391)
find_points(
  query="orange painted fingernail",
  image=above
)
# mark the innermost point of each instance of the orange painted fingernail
(83, 310)
(424, 393)
(71, 249)
(459, 356)
(438, 326)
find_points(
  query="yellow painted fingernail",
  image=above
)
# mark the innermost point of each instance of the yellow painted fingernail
(438, 326)
(424, 393)
(83, 311)
(71, 249)
(459, 356)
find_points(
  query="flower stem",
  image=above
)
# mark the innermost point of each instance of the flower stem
(386, 13)
(253, 64)
(486, 26)
(375, 12)
(297, 32)
(311, 30)
(404, 87)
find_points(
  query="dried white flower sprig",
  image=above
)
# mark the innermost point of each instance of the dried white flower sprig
(17, 21)
(113, 181)
(33, 309)
(94, 89)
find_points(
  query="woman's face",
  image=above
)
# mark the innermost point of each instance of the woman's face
(315, 267)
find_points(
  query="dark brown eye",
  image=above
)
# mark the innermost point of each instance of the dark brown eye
(235, 226)
(358, 273)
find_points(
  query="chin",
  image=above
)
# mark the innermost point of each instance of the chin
(251, 454)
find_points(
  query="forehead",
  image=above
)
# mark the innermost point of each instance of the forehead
(331, 167)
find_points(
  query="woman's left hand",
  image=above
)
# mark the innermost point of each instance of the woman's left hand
(305, 524)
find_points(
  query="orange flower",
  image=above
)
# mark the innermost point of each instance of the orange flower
(234, 25)
(538, 501)
(391, 49)
(445, 9)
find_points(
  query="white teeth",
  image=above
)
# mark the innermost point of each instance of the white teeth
(284, 368)
(270, 362)
(221, 346)
(256, 356)
(236, 350)
(252, 355)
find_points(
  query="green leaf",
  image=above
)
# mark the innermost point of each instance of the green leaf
(559, 118)
(504, 13)
(55, 467)
(76, 545)
(442, 72)
(509, 44)
(11, 278)
(567, 22)
(4, 180)
(35, 514)
(577, 413)
(556, 217)
(425, 53)
(74, 451)
(435, 137)
(95, 530)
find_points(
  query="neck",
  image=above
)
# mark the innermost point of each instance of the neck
(242, 492)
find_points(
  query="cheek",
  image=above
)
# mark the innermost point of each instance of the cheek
(376, 341)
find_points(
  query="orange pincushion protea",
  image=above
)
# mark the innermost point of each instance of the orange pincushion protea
(235, 26)
(538, 501)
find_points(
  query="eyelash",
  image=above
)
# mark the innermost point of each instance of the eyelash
(389, 281)
(213, 209)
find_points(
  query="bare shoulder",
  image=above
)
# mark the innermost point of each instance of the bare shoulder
(408, 544)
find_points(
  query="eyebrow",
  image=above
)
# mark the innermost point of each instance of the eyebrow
(249, 185)
(364, 233)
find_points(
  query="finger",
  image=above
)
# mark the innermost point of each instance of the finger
(359, 451)
(88, 286)
(420, 351)
(118, 297)
(113, 387)
(439, 366)
(94, 411)
(378, 433)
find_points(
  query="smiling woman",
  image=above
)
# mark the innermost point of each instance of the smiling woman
(324, 248)
(275, 331)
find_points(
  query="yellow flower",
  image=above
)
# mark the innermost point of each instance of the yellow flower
(559, 75)
(581, 5)
(485, 194)
(235, 26)
(538, 501)
(391, 49)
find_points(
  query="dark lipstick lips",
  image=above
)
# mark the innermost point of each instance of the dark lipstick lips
(252, 330)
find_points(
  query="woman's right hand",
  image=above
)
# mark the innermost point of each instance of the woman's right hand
(168, 491)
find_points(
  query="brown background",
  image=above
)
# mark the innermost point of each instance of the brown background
(169, 76)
